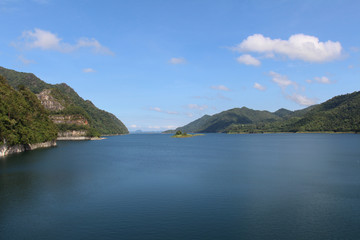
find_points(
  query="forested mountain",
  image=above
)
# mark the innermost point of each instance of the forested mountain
(339, 114)
(63, 102)
(23, 120)
(221, 121)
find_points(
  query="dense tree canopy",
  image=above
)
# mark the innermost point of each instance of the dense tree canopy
(23, 119)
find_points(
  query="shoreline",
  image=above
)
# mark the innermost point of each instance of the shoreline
(6, 150)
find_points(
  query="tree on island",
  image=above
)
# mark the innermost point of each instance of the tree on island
(179, 133)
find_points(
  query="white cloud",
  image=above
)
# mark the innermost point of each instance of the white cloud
(323, 80)
(260, 87)
(220, 87)
(94, 45)
(298, 46)
(197, 107)
(301, 99)
(177, 61)
(281, 80)
(88, 70)
(157, 109)
(248, 60)
(46, 40)
(133, 126)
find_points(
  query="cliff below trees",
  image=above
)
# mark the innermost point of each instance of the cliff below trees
(24, 122)
(66, 108)
(6, 150)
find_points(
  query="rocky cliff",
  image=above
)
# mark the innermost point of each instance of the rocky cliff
(48, 101)
(69, 119)
(6, 150)
(73, 135)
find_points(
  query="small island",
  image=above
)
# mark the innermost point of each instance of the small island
(180, 134)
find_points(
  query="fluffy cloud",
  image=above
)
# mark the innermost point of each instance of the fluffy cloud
(248, 60)
(177, 61)
(323, 80)
(46, 40)
(298, 46)
(88, 70)
(260, 87)
(220, 87)
(301, 99)
(281, 80)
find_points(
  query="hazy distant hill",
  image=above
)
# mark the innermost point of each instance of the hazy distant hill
(339, 114)
(61, 100)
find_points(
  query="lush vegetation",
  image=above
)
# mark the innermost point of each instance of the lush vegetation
(220, 122)
(104, 122)
(23, 119)
(339, 114)
(100, 121)
(180, 134)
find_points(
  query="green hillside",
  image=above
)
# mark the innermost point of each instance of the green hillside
(339, 114)
(100, 121)
(222, 121)
(23, 119)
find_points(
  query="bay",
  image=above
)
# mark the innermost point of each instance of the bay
(216, 186)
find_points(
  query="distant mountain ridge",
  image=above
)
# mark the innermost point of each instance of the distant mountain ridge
(61, 99)
(339, 114)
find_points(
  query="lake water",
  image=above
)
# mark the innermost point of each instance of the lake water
(217, 186)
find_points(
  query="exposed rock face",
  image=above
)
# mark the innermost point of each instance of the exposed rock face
(73, 135)
(6, 150)
(48, 101)
(69, 119)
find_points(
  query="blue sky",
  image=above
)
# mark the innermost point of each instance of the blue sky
(162, 64)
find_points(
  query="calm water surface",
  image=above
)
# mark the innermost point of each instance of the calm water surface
(217, 186)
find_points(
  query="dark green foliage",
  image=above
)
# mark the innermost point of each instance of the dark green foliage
(282, 112)
(222, 121)
(23, 119)
(103, 122)
(29, 80)
(339, 114)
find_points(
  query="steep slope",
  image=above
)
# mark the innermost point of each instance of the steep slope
(60, 99)
(23, 120)
(339, 114)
